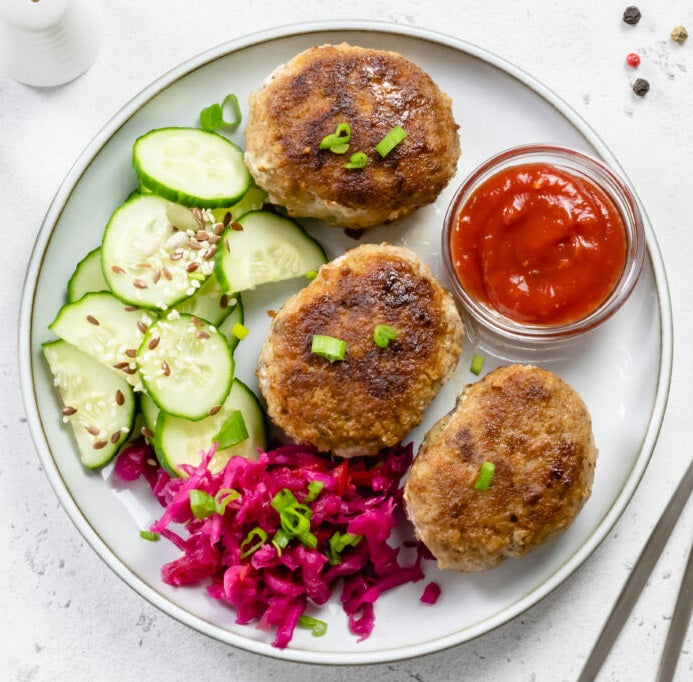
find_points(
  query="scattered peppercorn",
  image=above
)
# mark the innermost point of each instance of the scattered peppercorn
(633, 60)
(679, 35)
(641, 87)
(631, 15)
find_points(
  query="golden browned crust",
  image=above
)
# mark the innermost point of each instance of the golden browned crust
(536, 430)
(375, 396)
(372, 90)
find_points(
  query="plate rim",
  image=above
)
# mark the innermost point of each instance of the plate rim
(157, 599)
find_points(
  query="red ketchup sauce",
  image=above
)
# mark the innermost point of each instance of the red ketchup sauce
(539, 244)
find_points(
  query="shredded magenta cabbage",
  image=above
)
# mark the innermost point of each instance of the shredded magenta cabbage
(431, 593)
(359, 496)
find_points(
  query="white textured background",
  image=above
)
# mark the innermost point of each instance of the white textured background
(66, 616)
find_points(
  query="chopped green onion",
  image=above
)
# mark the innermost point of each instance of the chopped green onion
(293, 522)
(314, 489)
(357, 160)
(328, 347)
(223, 497)
(338, 141)
(202, 504)
(233, 431)
(284, 498)
(212, 117)
(311, 274)
(317, 627)
(239, 331)
(477, 364)
(148, 535)
(280, 541)
(390, 141)
(383, 334)
(338, 542)
(483, 480)
(257, 537)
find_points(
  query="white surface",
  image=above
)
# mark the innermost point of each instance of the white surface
(67, 615)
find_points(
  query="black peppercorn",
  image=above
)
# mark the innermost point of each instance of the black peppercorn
(631, 15)
(641, 87)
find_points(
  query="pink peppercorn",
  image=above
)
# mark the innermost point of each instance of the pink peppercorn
(633, 60)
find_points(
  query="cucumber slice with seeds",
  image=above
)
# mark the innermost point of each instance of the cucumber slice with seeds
(191, 166)
(101, 326)
(211, 302)
(226, 327)
(99, 404)
(87, 277)
(149, 411)
(186, 366)
(148, 262)
(180, 441)
(269, 248)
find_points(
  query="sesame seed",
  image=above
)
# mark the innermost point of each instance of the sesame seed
(92, 320)
(119, 397)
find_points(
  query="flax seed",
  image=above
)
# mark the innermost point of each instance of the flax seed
(130, 370)
(91, 319)
(214, 410)
(195, 246)
(153, 343)
(227, 218)
(224, 301)
(97, 445)
(130, 308)
(68, 410)
(191, 267)
(140, 284)
(167, 274)
(165, 368)
(197, 322)
(115, 437)
(141, 326)
(119, 397)
(237, 227)
(176, 255)
(117, 269)
(147, 433)
(202, 335)
(197, 214)
(131, 352)
(209, 253)
(92, 430)
(201, 235)
(227, 246)
(156, 276)
(121, 365)
(213, 238)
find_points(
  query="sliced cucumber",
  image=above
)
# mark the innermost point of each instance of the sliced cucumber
(87, 277)
(186, 366)
(99, 404)
(147, 261)
(211, 303)
(149, 411)
(235, 316)
(180, 441)
(269, 248)
(253, 200)
(103, 327)
(191, 166)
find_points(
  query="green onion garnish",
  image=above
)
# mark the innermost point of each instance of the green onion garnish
(223, 497)
(295, 520)
(328, 347)
(357, 160)
(311, 274)
(234, 431)
(284, 498)
(255, 538)
(483, 480)
(202, 504)
(314, 489)
(280, 541)
(383, 334)
(338, 542)
(317, 627)
(477, 364)
(239, 331)
(212, 117)
(338, 141)
(390, 141)
(148, 535)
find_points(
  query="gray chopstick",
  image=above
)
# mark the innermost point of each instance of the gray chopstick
(678, 625)
(638, 577)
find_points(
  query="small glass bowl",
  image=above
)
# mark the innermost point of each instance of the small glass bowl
(485, 324)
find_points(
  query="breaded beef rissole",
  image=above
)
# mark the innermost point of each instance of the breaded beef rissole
(374, 396)
(537, 431)
(305, 100)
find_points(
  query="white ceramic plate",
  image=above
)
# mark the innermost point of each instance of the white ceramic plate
(622, 370)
